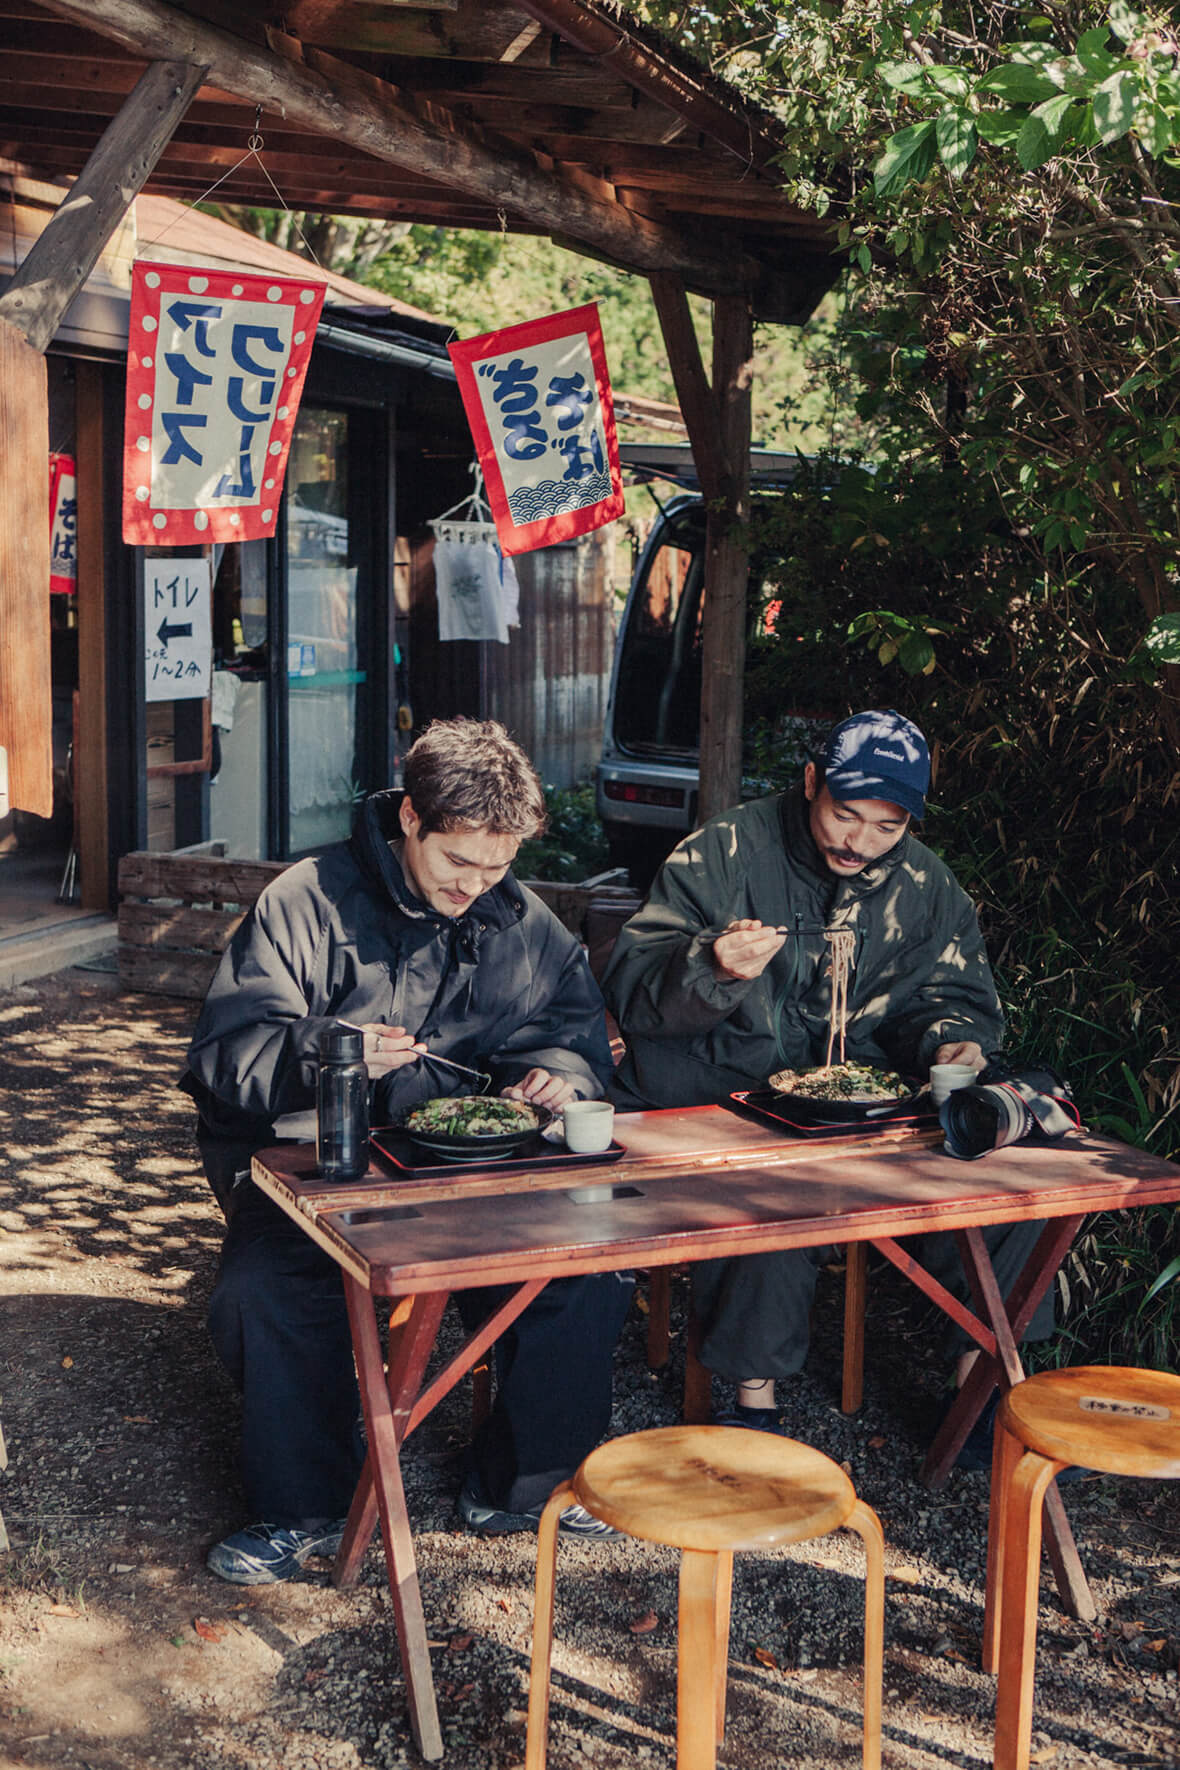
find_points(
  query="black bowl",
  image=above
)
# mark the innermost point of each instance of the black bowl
(462, 1147)
(805, 1109)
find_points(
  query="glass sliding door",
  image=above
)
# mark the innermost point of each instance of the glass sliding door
(325, 771)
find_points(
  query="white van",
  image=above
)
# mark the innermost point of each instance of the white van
(646, 784)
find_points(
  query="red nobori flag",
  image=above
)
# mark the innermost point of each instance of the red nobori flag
(215, 368)
(538, 400)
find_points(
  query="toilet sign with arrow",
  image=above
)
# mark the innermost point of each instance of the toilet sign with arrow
(177, 634)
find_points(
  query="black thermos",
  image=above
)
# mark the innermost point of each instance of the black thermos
(342, 1105)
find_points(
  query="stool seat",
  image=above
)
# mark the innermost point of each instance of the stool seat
(708, 1490)
(1120, 1421)
(714, 1487)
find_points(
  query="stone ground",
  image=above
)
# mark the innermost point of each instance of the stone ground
(118, 1651)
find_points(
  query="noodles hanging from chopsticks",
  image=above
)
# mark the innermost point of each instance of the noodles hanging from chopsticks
(843, 944)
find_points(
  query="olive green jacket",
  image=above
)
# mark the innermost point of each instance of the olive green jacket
(921, 976)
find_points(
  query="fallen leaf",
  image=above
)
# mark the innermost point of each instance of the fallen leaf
(137, 1419)
(207, 1630)
(909, 1576)
(643, 1625)
(505, 1605)
(464, 1690)
(179, 1641)
(67, 1363)
(459, 1643)
(877, 1443)
(1157, 1646)
(766, 1658)
(63, 1610)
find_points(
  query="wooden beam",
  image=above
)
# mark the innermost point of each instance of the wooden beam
(26, 693)
(90, 762)
(727, 562)
(335, 99)
(63, 257)
(693, 392)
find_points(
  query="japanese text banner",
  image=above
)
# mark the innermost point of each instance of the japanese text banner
(538, 400)
(215, 368)
(63, 525)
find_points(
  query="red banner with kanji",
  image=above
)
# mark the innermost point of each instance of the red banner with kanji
(63, 525)
(538, 400)
(216, 363)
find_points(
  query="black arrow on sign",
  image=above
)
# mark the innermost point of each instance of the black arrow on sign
(180, 631)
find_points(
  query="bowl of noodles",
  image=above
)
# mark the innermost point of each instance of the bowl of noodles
(839, 1093)
(464, 1127)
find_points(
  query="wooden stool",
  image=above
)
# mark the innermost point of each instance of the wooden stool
(1103, 1417)
(708, 1490)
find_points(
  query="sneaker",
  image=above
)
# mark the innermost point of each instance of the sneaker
(480, 1515)
(264, 1554)
(754, 1419)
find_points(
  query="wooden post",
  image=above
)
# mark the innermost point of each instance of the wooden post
(90, 760)
(26, 694)
(727, 562)
(31, 309)
(718, 421)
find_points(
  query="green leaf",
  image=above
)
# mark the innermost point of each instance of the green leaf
(916, 654)
(1114, 106)
(1000, 128)
(908, 155)
(1093, 54)
(1033, 146)
(1018, 83)
(949, 81)
(905, 76)
(1126, 21)
(864, 258)
(1158, 130)
(957, 141)
(1162, 638)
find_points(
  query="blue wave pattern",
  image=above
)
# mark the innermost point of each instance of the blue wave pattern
(553, 496)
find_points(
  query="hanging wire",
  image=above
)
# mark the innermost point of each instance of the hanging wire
(255, 143)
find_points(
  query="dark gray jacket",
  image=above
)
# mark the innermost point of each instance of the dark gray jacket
(502, 988)
(921, 975)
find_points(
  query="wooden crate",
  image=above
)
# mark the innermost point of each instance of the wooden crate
(178, 912)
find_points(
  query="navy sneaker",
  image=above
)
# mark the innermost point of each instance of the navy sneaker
(265, 1554)
(478, 1514)
(754, 1419)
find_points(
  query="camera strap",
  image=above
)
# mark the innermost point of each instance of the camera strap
(1054, 1115)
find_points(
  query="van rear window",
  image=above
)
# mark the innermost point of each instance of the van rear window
(658, 687)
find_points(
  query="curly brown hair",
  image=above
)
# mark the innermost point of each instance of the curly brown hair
(469, 774)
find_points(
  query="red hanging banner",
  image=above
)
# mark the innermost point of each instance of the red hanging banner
(63, 525)
(538, 400)
(215, 368)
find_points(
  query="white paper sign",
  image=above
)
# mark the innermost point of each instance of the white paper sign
(177, 630)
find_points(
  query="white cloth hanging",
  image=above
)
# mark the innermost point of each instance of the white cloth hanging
(467, 579)
(509, 592)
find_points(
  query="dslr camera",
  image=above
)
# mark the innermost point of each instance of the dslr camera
(1007, 1104)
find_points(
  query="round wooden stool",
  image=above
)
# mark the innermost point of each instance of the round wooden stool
(708, 1490)
(1120, 1422)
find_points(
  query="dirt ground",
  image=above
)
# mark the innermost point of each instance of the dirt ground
(118, 1651)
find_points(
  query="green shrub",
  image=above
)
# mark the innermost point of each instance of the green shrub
(572, 846)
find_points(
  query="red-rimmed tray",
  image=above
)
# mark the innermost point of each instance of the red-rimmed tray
(800, 1117)
(399, 1152)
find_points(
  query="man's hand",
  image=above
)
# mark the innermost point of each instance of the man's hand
(541, 1088)
(966, 1051)
(745, 949)
(388, 1048)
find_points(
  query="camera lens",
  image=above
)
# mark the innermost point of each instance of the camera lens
(978, 1119)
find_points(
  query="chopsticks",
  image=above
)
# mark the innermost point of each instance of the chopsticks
(477, 1075)
(709, 935)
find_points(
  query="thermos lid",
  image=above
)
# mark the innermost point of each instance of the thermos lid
(343, 1043)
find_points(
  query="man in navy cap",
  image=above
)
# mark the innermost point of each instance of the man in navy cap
(705, 1013)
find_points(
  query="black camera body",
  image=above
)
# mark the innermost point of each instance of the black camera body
(1008, 1104)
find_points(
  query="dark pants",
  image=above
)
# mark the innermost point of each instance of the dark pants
(755, 1311)
(280, 1326)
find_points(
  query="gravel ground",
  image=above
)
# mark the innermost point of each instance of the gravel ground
(118, 1649)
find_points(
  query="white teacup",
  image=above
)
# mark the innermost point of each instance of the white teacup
(588, 1125)
(946, 1077)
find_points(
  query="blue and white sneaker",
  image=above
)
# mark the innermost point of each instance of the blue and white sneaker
(480, 1515)
(265, 1554)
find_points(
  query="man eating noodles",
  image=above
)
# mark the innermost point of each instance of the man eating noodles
(736, 968)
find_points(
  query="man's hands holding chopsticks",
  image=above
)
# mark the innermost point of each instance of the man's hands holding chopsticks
(745, 948)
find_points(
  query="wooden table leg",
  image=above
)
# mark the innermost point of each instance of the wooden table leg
(391, 1503)
(852, 1382)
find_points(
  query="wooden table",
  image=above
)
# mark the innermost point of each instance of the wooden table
(695, 1183)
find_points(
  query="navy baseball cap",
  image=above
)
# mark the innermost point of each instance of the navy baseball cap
(878, 755)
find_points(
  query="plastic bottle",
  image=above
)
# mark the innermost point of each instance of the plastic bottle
(342, 1105)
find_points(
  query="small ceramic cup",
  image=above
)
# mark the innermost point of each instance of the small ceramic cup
(588, 1125)
(946, 1077)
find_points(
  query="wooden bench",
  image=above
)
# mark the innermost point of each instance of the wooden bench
(178, 912)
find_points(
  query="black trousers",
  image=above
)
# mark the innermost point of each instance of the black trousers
(755, 1311)
(280, 1326)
